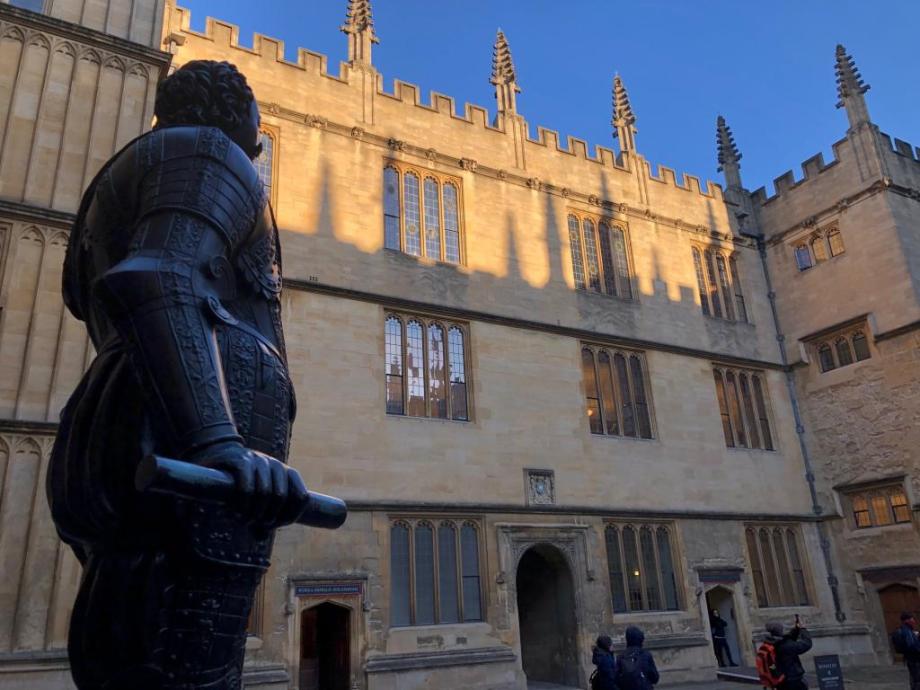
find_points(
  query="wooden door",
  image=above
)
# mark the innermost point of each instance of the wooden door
(896, 599)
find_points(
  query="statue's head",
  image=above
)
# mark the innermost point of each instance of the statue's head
(214, 94)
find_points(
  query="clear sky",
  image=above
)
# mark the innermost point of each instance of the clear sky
(768, 67)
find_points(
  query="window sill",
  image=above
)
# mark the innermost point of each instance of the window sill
(629, 616)
(632, 439)
(438, 627)
(722, 320)
(780, 611)
(424, 260)
(606, 295)
(736, 449)
(877, 530)
(440, 420)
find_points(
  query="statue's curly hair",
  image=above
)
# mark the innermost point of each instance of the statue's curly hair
(204, 92)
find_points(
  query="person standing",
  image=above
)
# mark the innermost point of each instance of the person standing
(906, 641)
(604, 678)
(636, 666)
(717, 625)
(778, 659)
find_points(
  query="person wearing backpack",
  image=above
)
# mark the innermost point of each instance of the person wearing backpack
(604, 676)
(906, 641)
(636, 666)
(778, 662)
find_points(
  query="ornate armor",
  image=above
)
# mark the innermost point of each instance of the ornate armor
(174, 265)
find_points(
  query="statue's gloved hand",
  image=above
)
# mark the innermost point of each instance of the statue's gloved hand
(268, 492)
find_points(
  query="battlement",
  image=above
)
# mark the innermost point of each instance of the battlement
(900, 147)
(225, 37)
(812, 169)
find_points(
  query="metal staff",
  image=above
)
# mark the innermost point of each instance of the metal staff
(186, 480)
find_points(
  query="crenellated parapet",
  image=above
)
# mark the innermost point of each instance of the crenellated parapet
(311, 86)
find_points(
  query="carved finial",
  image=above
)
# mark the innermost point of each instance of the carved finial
(728, 153)
(359, 25)
(850, 88)
(623, 117)
(503, 76)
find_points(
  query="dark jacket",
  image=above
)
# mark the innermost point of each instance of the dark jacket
(634, 641)
(606, 669)
(910, 641)
(718, 626)
(788, 648)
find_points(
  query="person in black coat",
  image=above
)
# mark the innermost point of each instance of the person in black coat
(719, 639)
(606, 664)
(788, 649)
(909, 646)
(636, 666)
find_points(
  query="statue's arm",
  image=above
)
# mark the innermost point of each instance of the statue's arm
(193, 213)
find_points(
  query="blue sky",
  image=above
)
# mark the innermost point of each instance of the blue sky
(768, 67)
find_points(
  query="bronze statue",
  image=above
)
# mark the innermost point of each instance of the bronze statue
(174, 265)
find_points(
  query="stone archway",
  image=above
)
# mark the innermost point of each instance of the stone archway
(722, 599)
(546, 616)
(325, 654)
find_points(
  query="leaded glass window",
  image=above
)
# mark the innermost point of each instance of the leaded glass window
(879, 506)
(640, 563)
(421, 213)
(776, 565)
(435, 572)
(844, 355)
(819, 249)
(451, 224)
(743, 408)
(391, 232)
(843, 349)
(835, 240)
(265, 162)
(400, 575)
(860, 346)
(599, 256)
(616, 392)
(432, 218)
(701, 281)
(578, 265)
(803, 257)
(591, 255)
(394, 366)
(826, 357)
(719, 284)
(425, 367)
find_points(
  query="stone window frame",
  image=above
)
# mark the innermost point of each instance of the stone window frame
(654, 528)
(818, 247)
(442, 179)
(413, 521)
(610, 280)
(828, 348)
(776, 586)
(255, 622)
(747, 416)
(719, 284)
(863, 502)
(447, 327)
(274, 135)
(597, 406)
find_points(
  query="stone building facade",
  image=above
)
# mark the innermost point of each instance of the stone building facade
(546, 379)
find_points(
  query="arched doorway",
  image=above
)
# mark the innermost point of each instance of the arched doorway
(546, 615)
(722, 599)
(324, 648)
(896, 599)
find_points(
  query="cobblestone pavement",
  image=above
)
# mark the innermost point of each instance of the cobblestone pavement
(856, 678)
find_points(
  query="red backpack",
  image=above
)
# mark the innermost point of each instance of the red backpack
(770, 675)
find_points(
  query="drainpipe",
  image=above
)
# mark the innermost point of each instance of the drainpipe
(816, 508)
